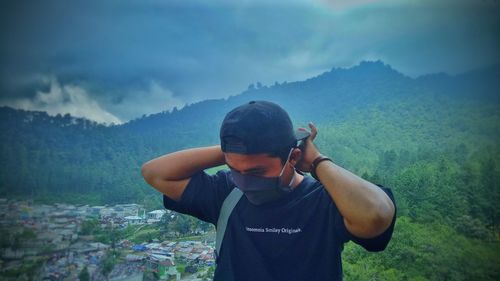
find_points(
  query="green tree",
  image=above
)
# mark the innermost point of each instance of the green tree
(84, 274)
(108, 263)
(90, 227)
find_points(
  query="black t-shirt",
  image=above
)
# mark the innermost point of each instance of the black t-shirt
(298, 237)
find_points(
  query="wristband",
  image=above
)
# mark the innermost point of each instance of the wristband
(315, 163)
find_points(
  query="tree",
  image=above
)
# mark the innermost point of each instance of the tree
(89, 227)
(84, 274)
(108, 263)
(182, 224)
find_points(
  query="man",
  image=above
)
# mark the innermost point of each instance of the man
(287, 226)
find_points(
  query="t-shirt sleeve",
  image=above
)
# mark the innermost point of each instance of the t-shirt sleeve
(375, 244)
(202, 197)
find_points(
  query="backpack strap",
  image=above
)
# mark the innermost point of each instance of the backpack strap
(225, 211)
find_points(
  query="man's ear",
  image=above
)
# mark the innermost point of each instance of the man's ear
(295, 156)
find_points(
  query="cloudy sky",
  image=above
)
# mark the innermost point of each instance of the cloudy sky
(112, 61)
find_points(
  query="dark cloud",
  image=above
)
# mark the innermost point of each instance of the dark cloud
(160, 54)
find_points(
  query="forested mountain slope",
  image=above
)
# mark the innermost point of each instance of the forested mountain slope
(362, 112)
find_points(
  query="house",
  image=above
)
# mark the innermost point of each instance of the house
(133, 220)
(95, 211)
(132, 258)
(155, 216)
(124, 210)
(163, 267)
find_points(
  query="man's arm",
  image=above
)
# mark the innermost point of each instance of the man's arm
(170, 173)
(367, 210)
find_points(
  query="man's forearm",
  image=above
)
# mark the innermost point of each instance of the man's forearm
(367, 210)
(183, 164)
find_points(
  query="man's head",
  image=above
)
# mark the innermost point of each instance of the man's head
(259, 144)
(259, 132)
(258, 127)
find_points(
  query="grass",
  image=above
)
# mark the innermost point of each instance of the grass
(144, 235)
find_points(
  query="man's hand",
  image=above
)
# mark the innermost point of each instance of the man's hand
(309, 150)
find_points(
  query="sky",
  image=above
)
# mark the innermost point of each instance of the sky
(113, 61)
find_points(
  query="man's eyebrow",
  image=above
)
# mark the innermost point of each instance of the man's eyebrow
(251, 170)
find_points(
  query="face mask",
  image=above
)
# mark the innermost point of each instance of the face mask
(260, 190)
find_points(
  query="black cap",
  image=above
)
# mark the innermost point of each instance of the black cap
(258, 127)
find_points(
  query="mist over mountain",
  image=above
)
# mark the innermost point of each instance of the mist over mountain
(329, 96)
(362, 112)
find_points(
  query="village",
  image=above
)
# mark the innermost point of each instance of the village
(59, 242)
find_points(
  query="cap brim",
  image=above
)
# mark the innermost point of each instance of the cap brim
(300, 135)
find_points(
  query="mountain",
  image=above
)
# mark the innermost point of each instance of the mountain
(367, 109)
(329, 96)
